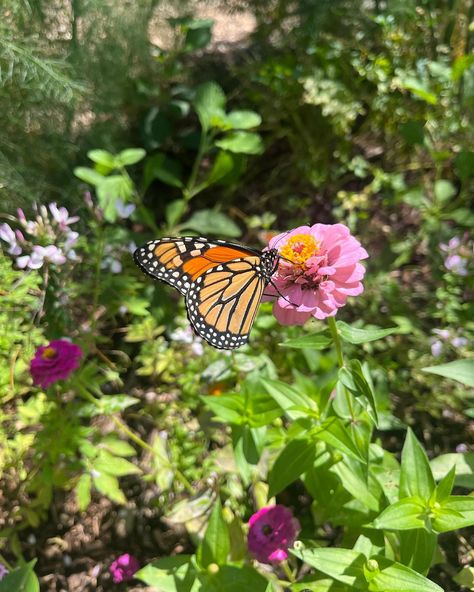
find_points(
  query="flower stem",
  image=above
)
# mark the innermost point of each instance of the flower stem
(337, 341)
(288, 573)
(340, 360)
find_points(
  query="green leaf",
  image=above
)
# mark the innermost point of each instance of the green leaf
(412, 132)
(352, 377)
(464, 164)
(228, 408)
(460, 370)
(416, 478)
(294, 460)
(444, 190)
(344, 565)
(243, 119)
(21, 579)
(215, 546)
(231, 578)
(130, 156)
(102, 157)
(316, 341)
(417, 549)
(241, 143)
(405, 514)
(464, 464)
(114, 465)
(114, 403)
(110, 190)
(198, 35)
(445, 486)
(109, 486)
(164, 168)
(457, 511)
(288, 398)
(223, 165)
(174, 211)
(356, 486)
(212, 222)
(357, 336)
(333, 432)
(245, 442)
(170, 574)
(209, 102)
(88, 175)
(395, 577)
(83, 491)
(117, 446)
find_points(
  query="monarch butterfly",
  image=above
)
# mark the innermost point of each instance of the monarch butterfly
(222, 283)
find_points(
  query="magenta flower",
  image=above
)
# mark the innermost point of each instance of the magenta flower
(55, 361)
(273, 529)
(319, 269)
(124, 568)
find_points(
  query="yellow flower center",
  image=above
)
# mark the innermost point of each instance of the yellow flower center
(300, 247)
(49, 353)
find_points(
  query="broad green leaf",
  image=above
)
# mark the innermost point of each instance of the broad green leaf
(174, 210)
(247, 451)
(164, 168)
(405, 514)
(417, 549)
(215, 546)
(356, 486)
(130, 156)
(457, 511)
(231, 578)
(318, 584)
(198, 35)
(170, 574)
(294, 460)
(209, 102)
(212, 222)
(334, 432)
(460, 370)
(344, 565)
(416, 478)
(288, 398)
(83, 491)
(21, 579)
(464, 464)
(223, 165)
(261, 409)
(356, 336)
(395, 577)
(241, 143)
(109, 486)
(88, 175)
(464, 164)
(109, 190)
(243, 119)
(228, 408)
(316, 341)
(412, 132)
(102, 157)
(114, 465)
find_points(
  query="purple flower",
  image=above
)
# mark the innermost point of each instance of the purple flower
(273, 529)
(61, 216)
(39, 255)
(124, 210)
(3, 571)
(55, 361)
(124, 568)
(456, 264)
(459, 342)
(436, 348)
(443, 333)
(9, 236)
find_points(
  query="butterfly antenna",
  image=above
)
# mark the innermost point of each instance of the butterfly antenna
(272, 283)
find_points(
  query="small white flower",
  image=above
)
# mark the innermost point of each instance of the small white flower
(124, 210)
(61, 216)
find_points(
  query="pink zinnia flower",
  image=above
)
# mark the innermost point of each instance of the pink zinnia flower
(55, 361)
(273, 529)
(319, 269)
(124, 568)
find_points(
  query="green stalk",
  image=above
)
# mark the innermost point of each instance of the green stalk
(340, 359)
